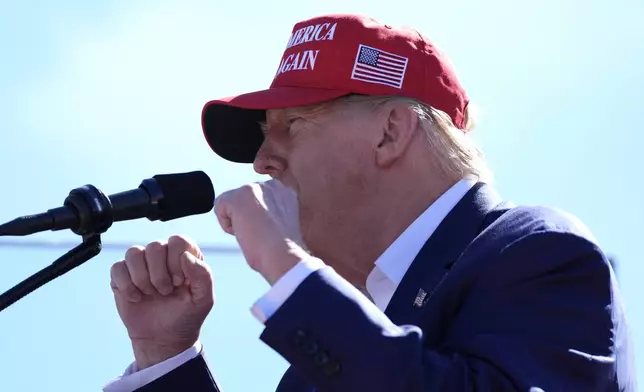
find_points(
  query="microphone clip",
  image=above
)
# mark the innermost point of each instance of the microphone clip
(93, 210)
(88, 213)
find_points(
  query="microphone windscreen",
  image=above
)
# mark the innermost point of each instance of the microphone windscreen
(185, 194)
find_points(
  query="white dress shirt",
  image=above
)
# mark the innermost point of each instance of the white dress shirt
(381, 283)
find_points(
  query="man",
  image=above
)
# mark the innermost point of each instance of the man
(410, 274)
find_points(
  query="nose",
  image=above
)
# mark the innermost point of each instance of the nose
(267, 162)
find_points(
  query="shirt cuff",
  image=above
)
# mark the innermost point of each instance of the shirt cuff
(267, 305)
(133, 379)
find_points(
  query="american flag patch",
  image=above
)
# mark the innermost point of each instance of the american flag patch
(377, 66)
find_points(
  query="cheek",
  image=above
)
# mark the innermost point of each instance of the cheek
(331, 191)
(332, 170)
(328, 181)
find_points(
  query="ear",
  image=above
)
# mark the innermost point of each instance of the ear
(399, 123)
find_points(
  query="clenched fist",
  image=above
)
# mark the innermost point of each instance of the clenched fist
(163, 293)
(264, 218)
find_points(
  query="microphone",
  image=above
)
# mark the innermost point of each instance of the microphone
(87, 210)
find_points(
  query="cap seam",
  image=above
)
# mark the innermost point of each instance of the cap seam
(426, 53)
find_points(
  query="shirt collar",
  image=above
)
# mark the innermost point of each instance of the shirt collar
(392, 265)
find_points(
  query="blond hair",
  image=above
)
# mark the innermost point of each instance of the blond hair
(455, 152)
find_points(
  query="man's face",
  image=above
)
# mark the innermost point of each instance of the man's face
(326, 154)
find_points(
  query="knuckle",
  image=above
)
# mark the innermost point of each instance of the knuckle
(120, 277)
(249, 190)
(220, 211)
(116, 268)
(117, 273)
(246, 188)
(155, 247)
(218, 202)
(178, 241)
(134, 252)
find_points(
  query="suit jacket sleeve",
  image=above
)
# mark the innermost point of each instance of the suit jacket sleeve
(193, 376)
(539, 316)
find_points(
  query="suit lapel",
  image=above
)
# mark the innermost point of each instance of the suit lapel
(440, 252)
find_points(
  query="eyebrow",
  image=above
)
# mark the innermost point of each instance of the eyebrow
(294, 112)
(263, 126)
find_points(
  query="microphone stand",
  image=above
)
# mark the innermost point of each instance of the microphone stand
(95, 216)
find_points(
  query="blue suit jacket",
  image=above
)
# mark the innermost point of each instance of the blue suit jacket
(500, 298)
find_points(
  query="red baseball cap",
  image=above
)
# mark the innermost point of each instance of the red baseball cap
(328, 57)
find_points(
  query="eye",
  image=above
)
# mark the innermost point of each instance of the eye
(293, 125)
(290, 121)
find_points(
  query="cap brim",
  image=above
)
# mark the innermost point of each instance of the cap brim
(232, 125)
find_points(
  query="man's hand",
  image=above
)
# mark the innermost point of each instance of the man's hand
(265, 221)
(163, 293)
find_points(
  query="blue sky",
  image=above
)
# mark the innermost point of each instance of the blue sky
(110, 93)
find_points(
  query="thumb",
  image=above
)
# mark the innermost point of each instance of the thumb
(198, 276)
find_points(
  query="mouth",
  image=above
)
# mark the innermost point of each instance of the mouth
(289, 185)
